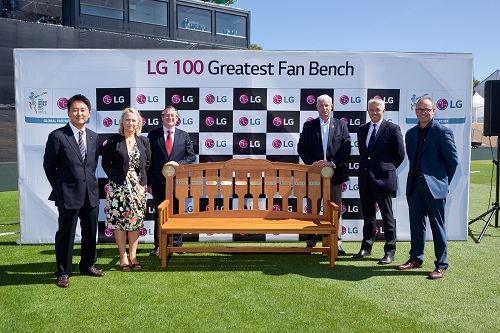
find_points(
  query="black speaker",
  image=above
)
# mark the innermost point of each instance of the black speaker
(492, 108)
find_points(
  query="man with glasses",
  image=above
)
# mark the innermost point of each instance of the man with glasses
(433, 160)
(169, 145)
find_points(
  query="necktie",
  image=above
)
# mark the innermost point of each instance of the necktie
(80, 144)
(372, 137)
(168, 142)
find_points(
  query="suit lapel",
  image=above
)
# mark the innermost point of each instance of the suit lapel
(161, 141)
(70, 136)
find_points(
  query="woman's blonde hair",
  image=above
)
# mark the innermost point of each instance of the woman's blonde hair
(139, 119)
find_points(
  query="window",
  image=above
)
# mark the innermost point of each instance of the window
(194, 18)
(228, 24)
(149, 11)
(107, 8)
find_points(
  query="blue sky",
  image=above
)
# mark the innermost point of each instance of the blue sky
(385, 25)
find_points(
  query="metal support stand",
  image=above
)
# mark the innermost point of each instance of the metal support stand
(494, 210)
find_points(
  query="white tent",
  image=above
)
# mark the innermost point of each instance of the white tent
(477, 109)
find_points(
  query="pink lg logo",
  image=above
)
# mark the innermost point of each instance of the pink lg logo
(210, 99)
(309, 118)
(343, 209)
(62, 103)
(209, 143)
(276, 144)
(345, 120)
(107, 99)
(141, 99)
(176, 99)
(107, 122)
(243, 143)
(108, 232)
(310, 99)
(143, 121)
(277, 99)
(143, 232)
(276, 207)
(344, 187)
(210, 121)
(344, 99)
(243, 121)
(442, 104)
(244, 99)
(277, 121)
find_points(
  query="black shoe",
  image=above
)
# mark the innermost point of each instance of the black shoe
(311, 242)
(154, 252)
(341, 251)
(362, 254)
(387, 259)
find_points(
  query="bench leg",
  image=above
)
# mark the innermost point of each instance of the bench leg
(164, 249)
(333, 249)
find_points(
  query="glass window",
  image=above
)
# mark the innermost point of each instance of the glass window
(194, 18)
(107, 8)
(228, 24)
(149, 11)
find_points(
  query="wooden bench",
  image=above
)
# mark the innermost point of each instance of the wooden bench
(292, 193)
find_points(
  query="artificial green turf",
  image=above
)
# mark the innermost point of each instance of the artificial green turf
(255, 292)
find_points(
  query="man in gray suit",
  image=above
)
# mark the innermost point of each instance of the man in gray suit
(70, 163)
(169, 145)
(433, 160)
(325, 141)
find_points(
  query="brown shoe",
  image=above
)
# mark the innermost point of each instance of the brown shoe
(438, 273)
(409, 265)
(92, 271)
(63, 281)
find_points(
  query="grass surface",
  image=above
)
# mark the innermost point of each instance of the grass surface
(255, 292)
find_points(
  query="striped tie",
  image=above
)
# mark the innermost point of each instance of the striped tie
(80, 144)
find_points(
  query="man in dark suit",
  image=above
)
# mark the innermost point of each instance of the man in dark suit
(433, 161)
(165, 138)
(70, 163)
(326, 141)
(381, 151)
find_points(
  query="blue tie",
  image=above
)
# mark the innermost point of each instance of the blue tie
(372, 137)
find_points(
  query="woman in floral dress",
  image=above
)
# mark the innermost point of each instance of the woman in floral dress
(125, 159)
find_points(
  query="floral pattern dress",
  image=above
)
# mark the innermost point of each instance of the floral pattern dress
(126, 203)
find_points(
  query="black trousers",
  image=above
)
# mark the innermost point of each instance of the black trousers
(65, 237)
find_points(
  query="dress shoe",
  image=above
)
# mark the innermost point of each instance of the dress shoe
(92, 271)
(63, 281)
(311, 242)
(362, 254)
(438, 273)
(155, 252)
(341, 251)
(409, 265)
(387, 259)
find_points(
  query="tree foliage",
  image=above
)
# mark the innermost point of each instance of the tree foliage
(255, 47)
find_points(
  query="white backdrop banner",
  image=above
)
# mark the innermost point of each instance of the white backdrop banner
(236, 104)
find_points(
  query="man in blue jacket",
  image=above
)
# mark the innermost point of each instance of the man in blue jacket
(433, 160)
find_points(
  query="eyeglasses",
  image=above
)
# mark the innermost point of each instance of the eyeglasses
(423, 110)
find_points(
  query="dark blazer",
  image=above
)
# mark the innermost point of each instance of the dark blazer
(439, 158)
(182, 153)
(68, 174)
(377, 166)
(115, 160)
(310, 147)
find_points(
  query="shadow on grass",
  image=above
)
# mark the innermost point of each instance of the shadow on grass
(313, 266)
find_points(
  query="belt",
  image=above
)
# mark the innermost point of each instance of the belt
(419, 174)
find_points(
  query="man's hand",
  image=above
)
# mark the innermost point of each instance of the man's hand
(322, 163)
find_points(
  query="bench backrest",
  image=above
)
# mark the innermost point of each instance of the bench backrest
(247, 185)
